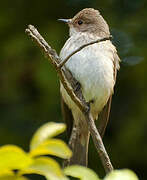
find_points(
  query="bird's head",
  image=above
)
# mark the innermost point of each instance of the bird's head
(88, 20)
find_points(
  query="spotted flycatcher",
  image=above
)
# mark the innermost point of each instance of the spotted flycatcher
(94, 67)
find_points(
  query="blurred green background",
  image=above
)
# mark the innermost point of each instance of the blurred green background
(29, 87)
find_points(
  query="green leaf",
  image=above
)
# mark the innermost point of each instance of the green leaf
(10, 175)
(54, 147)
(47, 167)
(45, 132)
(13, 177)
(124, 174)
(81, 172)
(13, 157)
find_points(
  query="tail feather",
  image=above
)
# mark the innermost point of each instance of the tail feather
(78, 136)
(79, 145)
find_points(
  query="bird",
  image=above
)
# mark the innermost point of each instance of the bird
(95, 68)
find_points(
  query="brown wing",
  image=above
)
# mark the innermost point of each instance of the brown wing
(67, 116)
(104, 115)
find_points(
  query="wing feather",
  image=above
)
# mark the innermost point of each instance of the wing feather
(105, 113)
(67, 117)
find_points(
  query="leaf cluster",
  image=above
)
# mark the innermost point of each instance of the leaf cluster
(38, 160)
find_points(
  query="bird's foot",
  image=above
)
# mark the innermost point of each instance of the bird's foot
(88, 104)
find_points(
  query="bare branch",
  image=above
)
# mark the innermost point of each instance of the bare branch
(99, 143)
(80, 48)
(69, 82)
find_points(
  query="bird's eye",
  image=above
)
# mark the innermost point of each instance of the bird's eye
(80, 22)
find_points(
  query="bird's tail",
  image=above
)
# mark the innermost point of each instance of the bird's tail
(78, 143)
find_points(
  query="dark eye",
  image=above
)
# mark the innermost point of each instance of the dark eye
(80, 22)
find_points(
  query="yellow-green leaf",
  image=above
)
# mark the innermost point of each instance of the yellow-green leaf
(13, 157)
(124, 174)
(13, 177)
(47, 167)
(6, 172)
(54, 147)
(81, 172)
(45, 132)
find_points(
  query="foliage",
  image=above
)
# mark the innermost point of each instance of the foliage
(36, 160)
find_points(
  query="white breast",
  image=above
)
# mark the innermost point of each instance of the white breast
(93, 68)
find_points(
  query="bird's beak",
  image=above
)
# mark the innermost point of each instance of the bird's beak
(65, 20)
